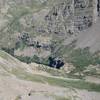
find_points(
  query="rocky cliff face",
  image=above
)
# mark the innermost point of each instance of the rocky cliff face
(84, 14)
(60, 19)
(78, 14)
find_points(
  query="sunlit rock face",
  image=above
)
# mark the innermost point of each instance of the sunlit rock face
(66, 15)
(71, 15)
(83, 14)
(86, 13)
(60, 18)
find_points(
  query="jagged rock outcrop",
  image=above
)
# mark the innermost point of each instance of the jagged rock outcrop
(60, 19)
(79, 14)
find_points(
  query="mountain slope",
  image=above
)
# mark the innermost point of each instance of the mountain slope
(8, 63)
(19, 82)
(42, 31)
(90, 38)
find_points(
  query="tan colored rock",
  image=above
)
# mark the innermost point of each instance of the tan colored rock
(68, 67)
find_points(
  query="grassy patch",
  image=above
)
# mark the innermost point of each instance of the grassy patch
(79, 84)
(59, 97)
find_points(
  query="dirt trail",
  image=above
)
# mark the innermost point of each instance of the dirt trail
(12, 88)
